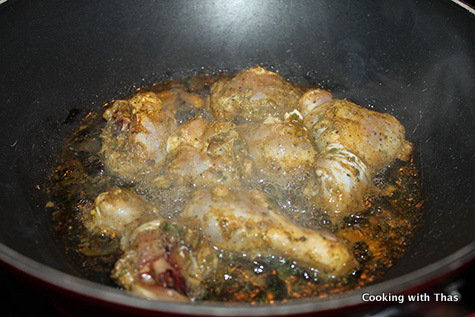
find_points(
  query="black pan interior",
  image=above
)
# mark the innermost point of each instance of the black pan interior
(413, 59)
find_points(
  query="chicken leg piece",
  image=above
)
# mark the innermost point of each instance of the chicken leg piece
(204, 154)
(249, 222)
(114, 214)
(278, 152)
(253, 95)
(376, 138)
(353, 143)
(166, 260)
(134, 138)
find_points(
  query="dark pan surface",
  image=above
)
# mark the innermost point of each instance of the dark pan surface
(415, 60)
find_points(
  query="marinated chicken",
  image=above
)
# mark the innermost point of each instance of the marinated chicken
(279, 153)
(185, 105)
(204, 154)
(249, 222)
(340, 181)
(353, 143)
(376, 138)
(145, 268)
(239, 188)
(134, 138)
(253, 94)
(166, 260)
(116, 212)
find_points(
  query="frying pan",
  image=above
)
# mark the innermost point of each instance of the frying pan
(59, 60)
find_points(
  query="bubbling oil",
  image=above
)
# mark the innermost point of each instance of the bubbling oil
(378, 234)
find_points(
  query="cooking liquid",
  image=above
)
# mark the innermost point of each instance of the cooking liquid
(378, 235)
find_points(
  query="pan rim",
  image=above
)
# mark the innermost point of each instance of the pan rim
(84, 288)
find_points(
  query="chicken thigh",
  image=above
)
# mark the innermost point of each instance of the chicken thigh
(253, 94)
(249, 222)
(204, 154)
(353, 143)
(134, 138)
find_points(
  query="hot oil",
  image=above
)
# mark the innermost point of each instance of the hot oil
(378, 234)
